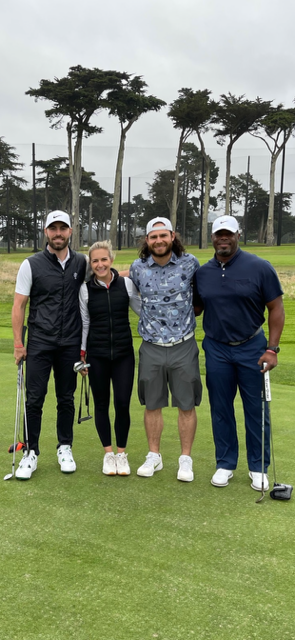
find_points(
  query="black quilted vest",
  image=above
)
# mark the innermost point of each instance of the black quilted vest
(109, 332)
(54, 316)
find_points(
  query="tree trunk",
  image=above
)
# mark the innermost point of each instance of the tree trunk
(90, 225)
(271, 204)
(261, 231)
(206, 203)
(75, 178)
(174, 205)
(116, 200)
(227, 178)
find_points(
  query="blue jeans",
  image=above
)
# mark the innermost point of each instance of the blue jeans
(227, 369)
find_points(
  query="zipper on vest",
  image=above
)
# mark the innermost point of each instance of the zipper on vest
(111, 322)
(63, 307)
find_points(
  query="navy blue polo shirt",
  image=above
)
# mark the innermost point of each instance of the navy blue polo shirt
(234, 295)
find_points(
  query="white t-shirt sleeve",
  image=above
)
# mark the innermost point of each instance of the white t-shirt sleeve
(24, 279)
(83, 302)
(134, 296)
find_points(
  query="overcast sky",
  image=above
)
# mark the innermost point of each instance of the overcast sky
(246, 48)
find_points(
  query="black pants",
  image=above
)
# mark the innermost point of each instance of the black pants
(121, 372)
(38, 367)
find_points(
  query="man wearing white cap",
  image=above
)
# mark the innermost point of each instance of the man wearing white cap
(168, 354)
(51, 279)
(233, 289)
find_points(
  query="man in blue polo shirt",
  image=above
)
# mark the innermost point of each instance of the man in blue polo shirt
(233, 289)
(168, 354)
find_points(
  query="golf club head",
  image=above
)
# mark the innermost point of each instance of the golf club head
(84, 419)
(79, 366)
(261, 497)
(281, 491)
(19, 446)
(8, 476)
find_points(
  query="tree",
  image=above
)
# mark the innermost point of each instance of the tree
(10, 183)
(257, 206)
(192, 112)
(235, 116)
(76, 98)
(128, 102)
(48, 170)
(278, 125)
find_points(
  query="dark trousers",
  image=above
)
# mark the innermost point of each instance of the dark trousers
(38, 368)
(227, 369)
(121, 372)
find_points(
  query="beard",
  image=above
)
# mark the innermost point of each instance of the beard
(224, 252)
(58, 245)
(161, 252)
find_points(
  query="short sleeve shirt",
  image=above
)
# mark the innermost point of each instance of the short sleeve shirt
(234, 295)
(166, 291)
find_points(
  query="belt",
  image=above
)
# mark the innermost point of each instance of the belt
(172, 344)
(236, 344)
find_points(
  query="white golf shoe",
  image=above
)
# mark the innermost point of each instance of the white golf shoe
(256, 478)
(27, 465)
(65, 459)
(153, 462)
(109, 464)
(185, 471)
(122, 464)
(221, 477)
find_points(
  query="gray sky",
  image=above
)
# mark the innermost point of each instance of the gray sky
(246, 48)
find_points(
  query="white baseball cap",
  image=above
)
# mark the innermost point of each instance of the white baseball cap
(225, 222)
(57, 216)
(158, 223)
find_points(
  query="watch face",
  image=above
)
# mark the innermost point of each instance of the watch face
(274, 349)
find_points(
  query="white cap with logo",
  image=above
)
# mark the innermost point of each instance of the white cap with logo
(57, 216)
(225, 222)
(158, 223)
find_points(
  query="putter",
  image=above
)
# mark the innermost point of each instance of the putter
(20, 390)
(264, 389)
(279, 491)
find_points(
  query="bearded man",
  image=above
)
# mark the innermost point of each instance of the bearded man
(51, 280)
(168, 355)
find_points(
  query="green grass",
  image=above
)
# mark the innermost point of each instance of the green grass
(87, 556)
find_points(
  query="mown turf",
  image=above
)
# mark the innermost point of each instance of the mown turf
(87, 556)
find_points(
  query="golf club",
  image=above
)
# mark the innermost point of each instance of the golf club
(20, 390)
(279, 491)
(79, 366)
(86, 393)
(264, 388)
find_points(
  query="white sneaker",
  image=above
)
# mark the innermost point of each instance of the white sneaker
(122, 465)
(65, 459)
(27, 465)
(256, 478)
(152, 463)
(109, 464)
(221, 477)
(185, 471)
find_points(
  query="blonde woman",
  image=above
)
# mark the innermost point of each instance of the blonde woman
(107, 340)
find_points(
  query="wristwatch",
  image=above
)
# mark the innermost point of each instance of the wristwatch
(274, 349)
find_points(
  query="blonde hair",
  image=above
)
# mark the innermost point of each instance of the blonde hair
(103, 244)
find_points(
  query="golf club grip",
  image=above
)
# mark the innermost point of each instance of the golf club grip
(23, 342)
(267, 392)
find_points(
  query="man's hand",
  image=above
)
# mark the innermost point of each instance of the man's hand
(20, 353)
(271, 360)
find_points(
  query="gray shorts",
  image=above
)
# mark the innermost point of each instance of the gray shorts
(177, 367)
